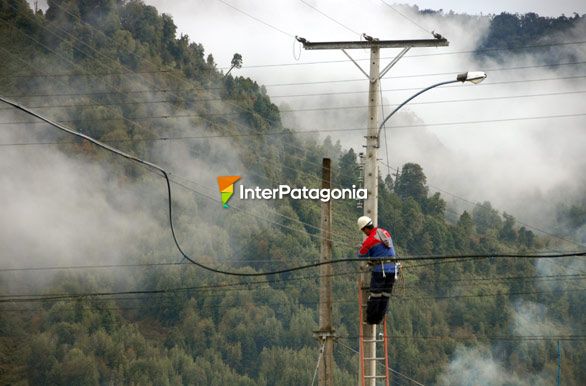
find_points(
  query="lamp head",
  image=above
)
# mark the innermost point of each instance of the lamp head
(471, 76)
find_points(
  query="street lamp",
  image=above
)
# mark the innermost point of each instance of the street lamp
(471, 76)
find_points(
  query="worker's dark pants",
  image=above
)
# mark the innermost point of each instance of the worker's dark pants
(378, 301)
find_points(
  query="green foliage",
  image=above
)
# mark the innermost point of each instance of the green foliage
(515, 31)
(411, 183)
(348, 171)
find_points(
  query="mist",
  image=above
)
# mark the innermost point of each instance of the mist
(524, 167)
(477, 365)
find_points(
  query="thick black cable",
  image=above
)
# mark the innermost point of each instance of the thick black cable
(562, 43)
(232, 273)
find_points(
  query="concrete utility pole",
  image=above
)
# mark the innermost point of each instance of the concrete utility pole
(325, 335)
(372, 141)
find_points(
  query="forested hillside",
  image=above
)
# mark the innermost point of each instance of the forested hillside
(118, 71)
(515, 32)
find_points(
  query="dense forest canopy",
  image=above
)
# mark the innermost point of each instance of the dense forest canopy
(120, 73)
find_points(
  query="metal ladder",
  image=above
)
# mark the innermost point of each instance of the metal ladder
(382, 354)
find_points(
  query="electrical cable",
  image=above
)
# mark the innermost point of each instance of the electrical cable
(489, 337)
(164, 174)
(321, 353)
(491, 70)
(440, 101)
(224, 272)
(407, 18)
(291, 132)
(99, 53)
(391, 369)
(475, 204)
(90, 26)
(318, 179)
(329, 17)
(484, 84)
(257, 19)
(198, 288)
(214, 290)
(115, 295)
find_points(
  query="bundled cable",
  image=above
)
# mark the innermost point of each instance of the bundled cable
(165, 174)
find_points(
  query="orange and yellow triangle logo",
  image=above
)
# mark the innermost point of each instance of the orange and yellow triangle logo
(226, 184)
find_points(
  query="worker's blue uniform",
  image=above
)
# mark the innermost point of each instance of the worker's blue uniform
(379, 244)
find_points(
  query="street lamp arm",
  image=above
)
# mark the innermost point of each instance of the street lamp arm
(409, 100)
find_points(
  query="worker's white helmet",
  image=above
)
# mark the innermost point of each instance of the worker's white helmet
(364, 221)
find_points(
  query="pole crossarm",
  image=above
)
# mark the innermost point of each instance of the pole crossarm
(366, 44)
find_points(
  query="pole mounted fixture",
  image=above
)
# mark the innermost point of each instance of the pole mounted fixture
(471, 76)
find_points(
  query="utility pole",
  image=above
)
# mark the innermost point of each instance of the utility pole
(325, 334)
(372, 142)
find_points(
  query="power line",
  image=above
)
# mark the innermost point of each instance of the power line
(220, 271)
(329, 17)
(516, 220)
(256, 19)
(286, 132)
(99, 53)
(427, 74)
(129, 265)
(78, 18)
(497, 69)
(133, 53)
(414, 283)
(407, 18)
(277, 96)
(133, 158)
(475, 204)
(222, 288)
(481, 337)
(181, 289)
(114, 295)
(74, 74)
(441, 101)
(414, 88)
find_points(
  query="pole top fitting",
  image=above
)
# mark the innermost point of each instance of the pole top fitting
(301, 40)
(368, 38)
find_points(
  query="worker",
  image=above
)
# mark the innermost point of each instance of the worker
(377, 246)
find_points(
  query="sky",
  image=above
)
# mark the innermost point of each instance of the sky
(544, 8)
